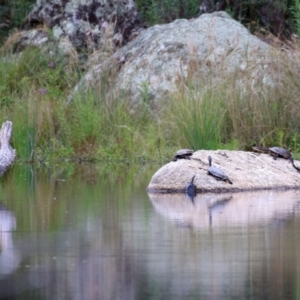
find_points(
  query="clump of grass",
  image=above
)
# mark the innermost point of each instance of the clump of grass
(199, 117)
(238, 115)
(128, 133)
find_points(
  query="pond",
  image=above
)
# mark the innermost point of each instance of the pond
(91, 231)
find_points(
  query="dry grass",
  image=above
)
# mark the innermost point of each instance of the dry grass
(240, 112)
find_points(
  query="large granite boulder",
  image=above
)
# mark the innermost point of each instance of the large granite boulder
(87, 23)
(212, 46)
(247, 170)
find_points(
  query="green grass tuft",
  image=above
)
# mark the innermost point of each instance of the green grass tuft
(199, 117)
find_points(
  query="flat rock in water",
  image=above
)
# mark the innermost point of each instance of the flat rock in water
(247, 170)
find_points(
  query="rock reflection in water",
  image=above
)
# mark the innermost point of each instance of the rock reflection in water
(9, 256)
(219, 210)
(233, 251)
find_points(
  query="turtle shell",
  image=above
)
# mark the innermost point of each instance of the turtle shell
(280, 152)
(216, 172)
(183, 153)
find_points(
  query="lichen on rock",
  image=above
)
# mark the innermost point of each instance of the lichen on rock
(85, 22)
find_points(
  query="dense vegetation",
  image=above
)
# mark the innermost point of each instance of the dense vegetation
(12, 14)
(33, 90)
(96, 125)
(281, 17)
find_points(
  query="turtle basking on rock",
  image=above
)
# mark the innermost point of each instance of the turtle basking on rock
(274, 151)
(216, 172)
(183, 154)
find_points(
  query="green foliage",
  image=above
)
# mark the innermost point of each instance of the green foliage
(12, 14)
(145, 93)
(33, 89)
(33, 85)
(275, 16)
(127, 133)
(199, 117)
(34, 69)
(99, 125)
(295, 11)
(295, 145)
(163, 11)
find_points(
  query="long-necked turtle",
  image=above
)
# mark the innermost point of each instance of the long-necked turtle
(292, 161)
(183, 153)
(274, 151)
(190, 188)
(216, 172)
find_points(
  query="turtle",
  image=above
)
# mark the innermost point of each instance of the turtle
(183, 154)
(291, 159)
(190, 188)
(216, 172)
(274, 151)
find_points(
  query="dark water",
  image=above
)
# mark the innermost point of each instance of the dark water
(92, 232)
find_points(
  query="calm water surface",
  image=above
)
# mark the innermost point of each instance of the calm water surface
(92, 232)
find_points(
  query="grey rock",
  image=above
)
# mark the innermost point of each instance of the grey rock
(86, 22)
(247, 170)
(213, 46)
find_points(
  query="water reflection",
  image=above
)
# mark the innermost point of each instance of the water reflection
(90, 232)
(219, 210)
(9, 255)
